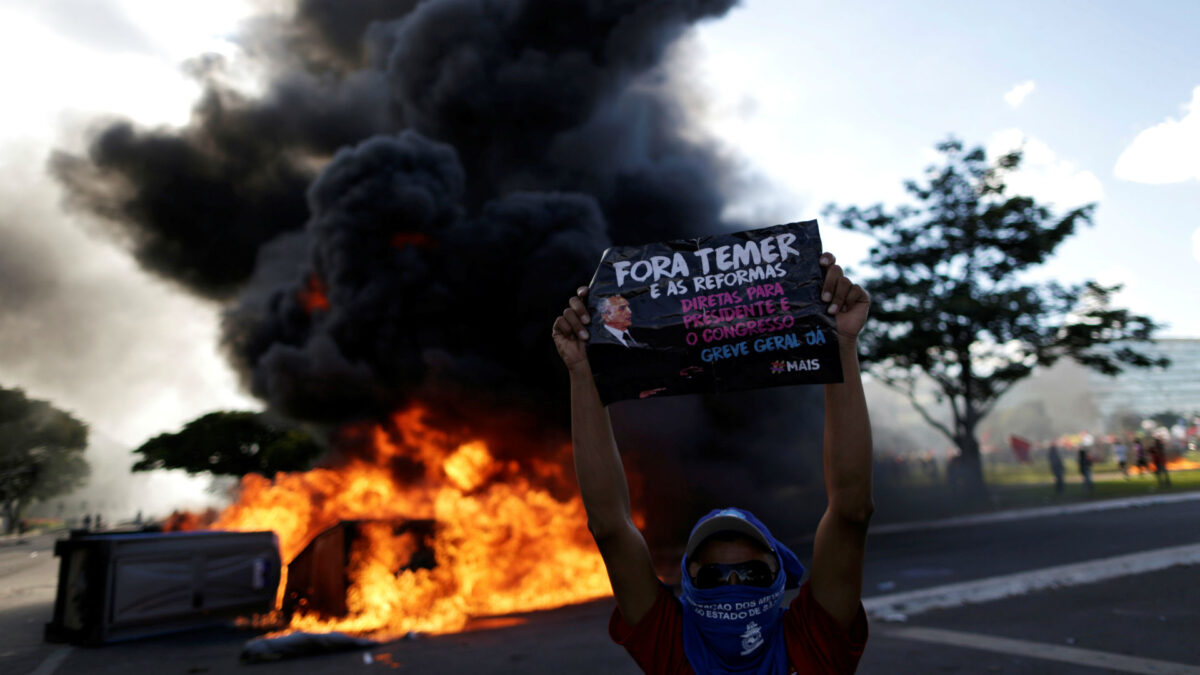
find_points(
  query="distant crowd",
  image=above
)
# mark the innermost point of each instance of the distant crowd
(1151, 454)
(1133, 454)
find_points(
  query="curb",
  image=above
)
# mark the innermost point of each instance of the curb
(1034, 512)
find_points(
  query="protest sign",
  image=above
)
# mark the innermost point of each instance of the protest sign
(720, 313)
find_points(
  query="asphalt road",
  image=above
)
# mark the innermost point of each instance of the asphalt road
(1149, 617)
(28, 580)
(1144, 622)
(917, 558)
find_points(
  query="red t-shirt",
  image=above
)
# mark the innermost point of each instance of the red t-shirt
(815, 641)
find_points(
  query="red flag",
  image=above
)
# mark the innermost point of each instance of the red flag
(1020, 448)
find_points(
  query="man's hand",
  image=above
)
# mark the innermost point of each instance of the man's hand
(569, 332)
(848, 302)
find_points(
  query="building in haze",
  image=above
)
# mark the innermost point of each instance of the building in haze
(1069, 398)
(1148, 391)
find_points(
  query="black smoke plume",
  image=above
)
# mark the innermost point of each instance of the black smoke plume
(477, 156)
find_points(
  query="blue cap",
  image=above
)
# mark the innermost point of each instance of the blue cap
(743, 522)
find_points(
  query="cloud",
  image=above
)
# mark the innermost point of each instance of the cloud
(1196, 244)
(1168, 152)
(1017, 95)
(1044, 175)
(101, 25)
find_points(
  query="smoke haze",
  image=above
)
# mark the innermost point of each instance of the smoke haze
(74, 319)
(403, 208)
(472, 143)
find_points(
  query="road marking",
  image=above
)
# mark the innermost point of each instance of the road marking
(53, 661)
(1039, 650)
(898, 606)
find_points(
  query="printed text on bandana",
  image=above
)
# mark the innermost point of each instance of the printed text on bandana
(740, 610)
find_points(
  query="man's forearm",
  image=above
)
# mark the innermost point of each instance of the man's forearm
(847, 447)
(598, 465)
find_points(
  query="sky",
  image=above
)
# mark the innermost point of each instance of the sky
(817, 102)
(839, 102)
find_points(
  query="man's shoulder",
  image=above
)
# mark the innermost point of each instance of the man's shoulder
(656, 642)
(666, 610)
(816, 642)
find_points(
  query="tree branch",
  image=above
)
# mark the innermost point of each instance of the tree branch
(910, 395)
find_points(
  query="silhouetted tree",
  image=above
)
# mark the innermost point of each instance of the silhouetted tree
(951, 302)
(232, 444)
(1124, 421)
(41, 453)
(1167, 418)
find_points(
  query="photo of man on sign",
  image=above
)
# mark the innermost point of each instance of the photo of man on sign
(617, 317)
(720, 313)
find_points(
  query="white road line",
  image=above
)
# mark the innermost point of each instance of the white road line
(53, 661)
(1038, 650)
(898, 606)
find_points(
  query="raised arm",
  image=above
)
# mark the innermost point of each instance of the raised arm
(840, 543)
(601, 475)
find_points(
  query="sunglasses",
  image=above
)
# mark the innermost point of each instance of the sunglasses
(749, 573)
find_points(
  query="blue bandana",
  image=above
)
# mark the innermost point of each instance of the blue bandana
(739, 629)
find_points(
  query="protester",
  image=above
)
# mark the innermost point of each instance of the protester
(730, 617)
(1120, 452)
(1085, 468)
(1139, 450)
(1056, 468)
(1158, 453)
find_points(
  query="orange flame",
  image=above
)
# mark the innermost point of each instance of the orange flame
(1173, 464)
(502, 542)
(187, 520)
(313, 297)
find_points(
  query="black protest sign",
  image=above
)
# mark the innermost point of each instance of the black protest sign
(721, 313)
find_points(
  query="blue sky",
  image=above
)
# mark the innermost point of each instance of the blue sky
(842, 101)
(819, 102)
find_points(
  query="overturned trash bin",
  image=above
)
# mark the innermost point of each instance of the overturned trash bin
(318, 577)
(119, 586)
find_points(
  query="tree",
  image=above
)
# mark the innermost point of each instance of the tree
(232, 444)
(41, 453)
(1124, 421)
(951, 302)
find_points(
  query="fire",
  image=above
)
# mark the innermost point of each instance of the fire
(1173, 464)
(502, 542)
(185, 520)
(314, 297)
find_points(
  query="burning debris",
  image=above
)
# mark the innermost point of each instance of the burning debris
(319, 576)
(469, 536)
